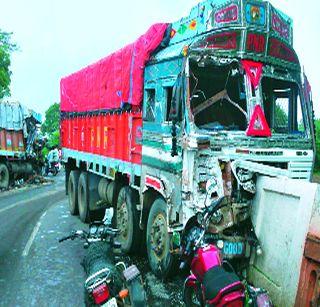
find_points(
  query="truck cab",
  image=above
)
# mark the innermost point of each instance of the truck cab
(226, 100)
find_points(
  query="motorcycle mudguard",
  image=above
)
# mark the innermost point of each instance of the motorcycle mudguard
(190, 281)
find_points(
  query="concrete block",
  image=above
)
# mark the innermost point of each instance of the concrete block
(281, 214)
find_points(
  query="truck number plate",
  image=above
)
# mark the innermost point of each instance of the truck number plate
(233, 248)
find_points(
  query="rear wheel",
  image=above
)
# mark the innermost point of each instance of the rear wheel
(4, 176)
(161, 260)
(73, 192)
(127, 220)
(83, 198)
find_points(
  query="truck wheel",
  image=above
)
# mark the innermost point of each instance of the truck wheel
(127, 220)
(4, 176)
(83, 197)
(73, 192)
(162, 262)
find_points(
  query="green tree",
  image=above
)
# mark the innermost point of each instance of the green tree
(50, 127)
(51, 123)
(6, 48)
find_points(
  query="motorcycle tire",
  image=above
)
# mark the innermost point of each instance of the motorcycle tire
(99, 256)
(191, 297)
(138, 297)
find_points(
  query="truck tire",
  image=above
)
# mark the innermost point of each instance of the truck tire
(4, 176)
(161, 261)
(127, 220)
(83, 198)
(73, 192)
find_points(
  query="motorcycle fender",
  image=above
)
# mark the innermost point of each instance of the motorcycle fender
(191, 281)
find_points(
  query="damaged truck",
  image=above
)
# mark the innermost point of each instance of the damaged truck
(219, 95)
(20, 149)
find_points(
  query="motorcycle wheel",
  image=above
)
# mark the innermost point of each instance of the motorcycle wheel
(162, 262)
(191, 297)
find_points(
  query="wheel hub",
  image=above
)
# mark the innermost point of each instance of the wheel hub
(159, 236)
(122, 220)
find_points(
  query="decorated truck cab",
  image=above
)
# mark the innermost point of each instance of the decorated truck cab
(218, 95)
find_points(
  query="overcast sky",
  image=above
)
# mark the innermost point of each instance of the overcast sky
(58, 37)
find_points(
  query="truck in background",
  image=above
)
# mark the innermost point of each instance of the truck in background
(219, 94)
(20, 149)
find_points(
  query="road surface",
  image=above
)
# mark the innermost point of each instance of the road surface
(35, 270)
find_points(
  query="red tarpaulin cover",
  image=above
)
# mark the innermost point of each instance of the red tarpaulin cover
(114, 80)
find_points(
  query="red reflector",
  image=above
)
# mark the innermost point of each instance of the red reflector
(101, 294)
(258, 125)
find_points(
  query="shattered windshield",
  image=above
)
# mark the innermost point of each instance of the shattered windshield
(217, 100)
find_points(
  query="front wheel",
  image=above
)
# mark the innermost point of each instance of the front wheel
(191, 297)
(161, 260)
(4, 176)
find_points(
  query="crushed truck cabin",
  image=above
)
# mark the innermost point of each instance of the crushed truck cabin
(19, 146)
(218, 95)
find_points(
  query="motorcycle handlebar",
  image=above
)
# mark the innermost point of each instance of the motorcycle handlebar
(66, 238)
(215, 205)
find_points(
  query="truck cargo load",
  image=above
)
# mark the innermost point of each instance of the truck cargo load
(114, 80)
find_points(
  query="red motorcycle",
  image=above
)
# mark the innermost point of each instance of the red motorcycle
(211, 283)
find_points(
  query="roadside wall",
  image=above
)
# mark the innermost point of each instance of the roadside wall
(282, 212)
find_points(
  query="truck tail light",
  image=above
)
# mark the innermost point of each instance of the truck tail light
(100, 294)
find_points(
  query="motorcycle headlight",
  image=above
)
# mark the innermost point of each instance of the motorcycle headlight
(220, 244)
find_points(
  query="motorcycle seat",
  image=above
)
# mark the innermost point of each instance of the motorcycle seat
(218, 282)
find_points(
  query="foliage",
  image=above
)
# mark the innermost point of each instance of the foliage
(50, 128)
(281, 117)
(51, 123)
(6, 48)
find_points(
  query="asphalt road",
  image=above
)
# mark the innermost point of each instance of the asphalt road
(35, 270)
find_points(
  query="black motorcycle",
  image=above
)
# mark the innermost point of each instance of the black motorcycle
(109, 283)
(51, 167)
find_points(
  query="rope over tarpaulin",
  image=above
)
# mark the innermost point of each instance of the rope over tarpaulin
(114, 80)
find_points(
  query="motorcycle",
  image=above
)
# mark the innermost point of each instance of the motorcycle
(52, 167)
(213, 280)
(108, 284)
(210, 282)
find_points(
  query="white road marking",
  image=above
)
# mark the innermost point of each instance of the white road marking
(33, 236)
(28, 201)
